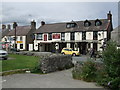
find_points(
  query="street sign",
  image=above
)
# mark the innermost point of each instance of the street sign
(19, 41)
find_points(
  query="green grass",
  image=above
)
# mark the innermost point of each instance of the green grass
(19, 62)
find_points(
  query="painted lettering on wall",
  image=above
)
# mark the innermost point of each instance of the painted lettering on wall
(56, 36)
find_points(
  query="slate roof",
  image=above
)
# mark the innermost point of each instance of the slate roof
(20, 31)
(5, 32)
(61, 27)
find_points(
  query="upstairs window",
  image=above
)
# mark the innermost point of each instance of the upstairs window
(9, 38)
(16, 38)
(98, 23)
(87, 23)
(21, 38)
(72, 36)
(63, 36)
(68, 26)
(39, 36)
(84, 35)
(71, 25)
(95, 35)
(49, 36)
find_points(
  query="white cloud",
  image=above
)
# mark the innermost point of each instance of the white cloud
(23, 13)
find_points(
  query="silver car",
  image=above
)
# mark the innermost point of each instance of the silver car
(3, 55)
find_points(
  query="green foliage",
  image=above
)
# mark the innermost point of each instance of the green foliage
(111, 60)
(87, 72)
(76, 74)
(19, 62)
(37, 69)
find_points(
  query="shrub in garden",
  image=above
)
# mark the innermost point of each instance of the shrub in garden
(87, 72)
(111, 60)
(37, 69)
(76, 72)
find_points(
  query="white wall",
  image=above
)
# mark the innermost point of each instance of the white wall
(78, 36)
(68, 45)
(30, 47)
(18, 44)
(36, 45)
(67, 36)
(101, 36)
(89, 35)
(57, 39)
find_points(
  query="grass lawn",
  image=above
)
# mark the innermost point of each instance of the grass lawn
(19, 62)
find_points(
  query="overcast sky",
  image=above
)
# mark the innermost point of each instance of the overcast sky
(51, 12)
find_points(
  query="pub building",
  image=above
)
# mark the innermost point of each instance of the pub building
(78, 35)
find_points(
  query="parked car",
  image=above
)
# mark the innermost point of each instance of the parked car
(3, 54)
(14, 50)
(70, 51)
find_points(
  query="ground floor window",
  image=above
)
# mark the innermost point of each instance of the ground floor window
(21, 46)
(89, 45)
(95, 46)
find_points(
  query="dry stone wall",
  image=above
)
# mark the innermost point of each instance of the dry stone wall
(55, 62)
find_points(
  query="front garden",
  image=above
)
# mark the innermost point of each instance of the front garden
(19, 62)
(106, 74)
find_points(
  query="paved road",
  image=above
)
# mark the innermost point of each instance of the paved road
(61, 79)
(84, 58)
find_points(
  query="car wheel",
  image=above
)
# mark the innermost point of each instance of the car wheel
(63, 53)
(73, 54)
(5, 58)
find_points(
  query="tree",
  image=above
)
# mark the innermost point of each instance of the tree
(111, 60)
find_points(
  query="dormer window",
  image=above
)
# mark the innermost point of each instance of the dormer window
(71, 25)
(68, 26)
(87, 23)
(98, 23)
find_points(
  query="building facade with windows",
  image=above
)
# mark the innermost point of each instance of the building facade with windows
(24, 37)
(5, 30)
(79, 35)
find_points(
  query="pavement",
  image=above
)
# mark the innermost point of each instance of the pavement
(60, 79)
(84, 58)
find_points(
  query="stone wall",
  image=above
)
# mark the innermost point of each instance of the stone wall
(78, 66)
(55, 62)
(37, 54)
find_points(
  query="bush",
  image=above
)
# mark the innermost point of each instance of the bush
(87, 72)
(37, 69)
(111, 60)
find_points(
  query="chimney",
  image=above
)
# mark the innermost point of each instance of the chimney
(42, 23)
(109, 16)
(33, 24)
(8, 26)
(3, 26)
(15, 25)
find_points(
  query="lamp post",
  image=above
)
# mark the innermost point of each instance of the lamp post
(14, 26)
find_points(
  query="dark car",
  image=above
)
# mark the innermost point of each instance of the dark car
(14, 50)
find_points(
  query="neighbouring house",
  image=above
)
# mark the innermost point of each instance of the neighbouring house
(79, 35)
(24, 36)
(5, 30)
(115, 35)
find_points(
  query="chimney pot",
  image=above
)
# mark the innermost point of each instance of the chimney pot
(9, 26)
(15, 25)
(42, 23)
(33, 24)
(3, 26)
